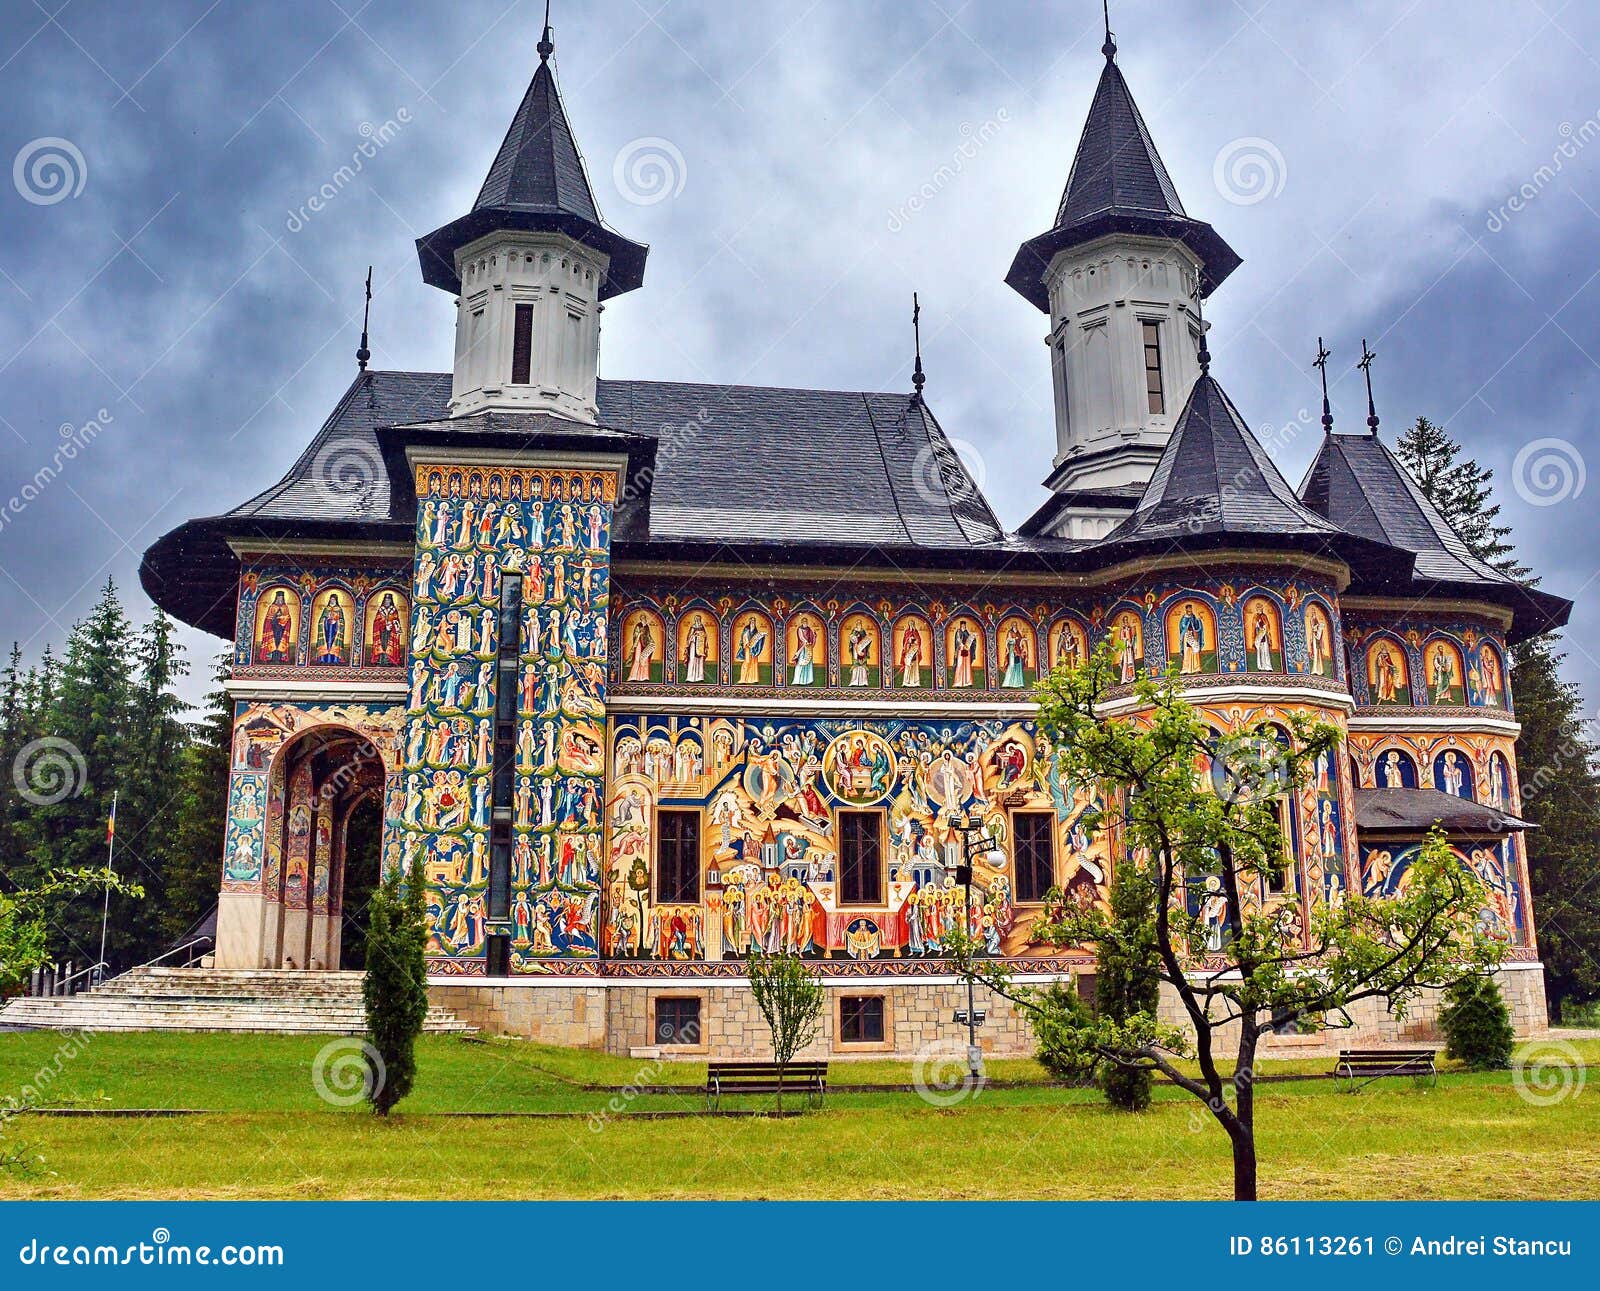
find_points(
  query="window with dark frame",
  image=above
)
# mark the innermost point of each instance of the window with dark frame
(677, 1019)
(1152, 367)
(521, 345)
(861, 1019)
(1278, 875)
(678, 857)
(499, 951)
(1034, 850)
(860, 858)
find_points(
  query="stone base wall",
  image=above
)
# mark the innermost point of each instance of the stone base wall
(618, 1017)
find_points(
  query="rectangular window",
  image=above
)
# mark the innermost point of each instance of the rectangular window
(1152, 367)
(1034, 850)
(499, 955)
(521, 344)
(861, 1019)
(500, 878)
(1278, 877)
(678, 1020)
(860, 858)
(678, 857)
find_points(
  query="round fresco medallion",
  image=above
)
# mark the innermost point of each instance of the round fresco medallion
(859, 767)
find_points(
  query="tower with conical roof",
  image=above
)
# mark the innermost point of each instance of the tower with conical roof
(1118, 273)
(530, 266)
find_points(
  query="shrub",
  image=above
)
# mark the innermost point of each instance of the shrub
(1060, 1028)
(1477, 1024)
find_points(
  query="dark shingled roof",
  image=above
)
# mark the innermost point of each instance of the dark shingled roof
(1419, 810)
(1359, 485)
(1214, 478)
(1118, 183)
(797, 469)
(537, 183)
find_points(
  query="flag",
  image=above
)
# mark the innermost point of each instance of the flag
(111, 822)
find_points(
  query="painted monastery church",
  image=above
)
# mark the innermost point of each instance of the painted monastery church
(637, 713)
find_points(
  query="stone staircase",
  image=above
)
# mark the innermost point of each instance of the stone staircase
(286, 1001)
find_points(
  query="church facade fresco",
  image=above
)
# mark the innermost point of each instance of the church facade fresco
(532, 674)
(860, 641)
(341, 618)
(1407, 659)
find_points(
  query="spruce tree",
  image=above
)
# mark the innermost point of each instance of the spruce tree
(395, 988)
(1128, 984)
(1556, 759)
(202, 812)
(1477, 1024)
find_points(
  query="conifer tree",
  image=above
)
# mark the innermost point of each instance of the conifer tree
(202, 812)
(395, 988)
(1128, 983)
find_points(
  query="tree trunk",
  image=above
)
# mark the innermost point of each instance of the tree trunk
(1244, 1164)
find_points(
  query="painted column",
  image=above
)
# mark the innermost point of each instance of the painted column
(297, 868)
(321, 885)
(552, 524)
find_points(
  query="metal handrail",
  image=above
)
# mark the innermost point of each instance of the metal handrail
(203, 942)
(63, 983)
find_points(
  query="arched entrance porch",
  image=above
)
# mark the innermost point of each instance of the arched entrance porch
(320, 871)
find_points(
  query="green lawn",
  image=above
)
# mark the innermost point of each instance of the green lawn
(267, 1133)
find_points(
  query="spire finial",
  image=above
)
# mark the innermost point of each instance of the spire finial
(1109, 49)
(918, 379)
(546, 45)
(363, 353)
(1366, 366)
(1200, 318)
(1323, 355)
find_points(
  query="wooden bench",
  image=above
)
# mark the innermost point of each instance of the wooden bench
(1375, 1064)
(808, 1078)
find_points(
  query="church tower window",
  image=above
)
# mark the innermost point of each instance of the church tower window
(1152, 368)
(522, 345)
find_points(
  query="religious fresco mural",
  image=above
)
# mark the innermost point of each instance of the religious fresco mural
(865, 641)
(342, 620)
(254, 853)
(1494, 864)
(552, 526)
(1432, 662)
(768, 790)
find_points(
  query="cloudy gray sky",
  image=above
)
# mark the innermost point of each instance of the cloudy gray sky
(820, 161)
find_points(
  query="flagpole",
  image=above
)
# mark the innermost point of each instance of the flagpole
(111, 851)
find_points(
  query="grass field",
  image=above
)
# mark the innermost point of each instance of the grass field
(506, 1119)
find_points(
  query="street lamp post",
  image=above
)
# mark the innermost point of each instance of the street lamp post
(973, 846)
